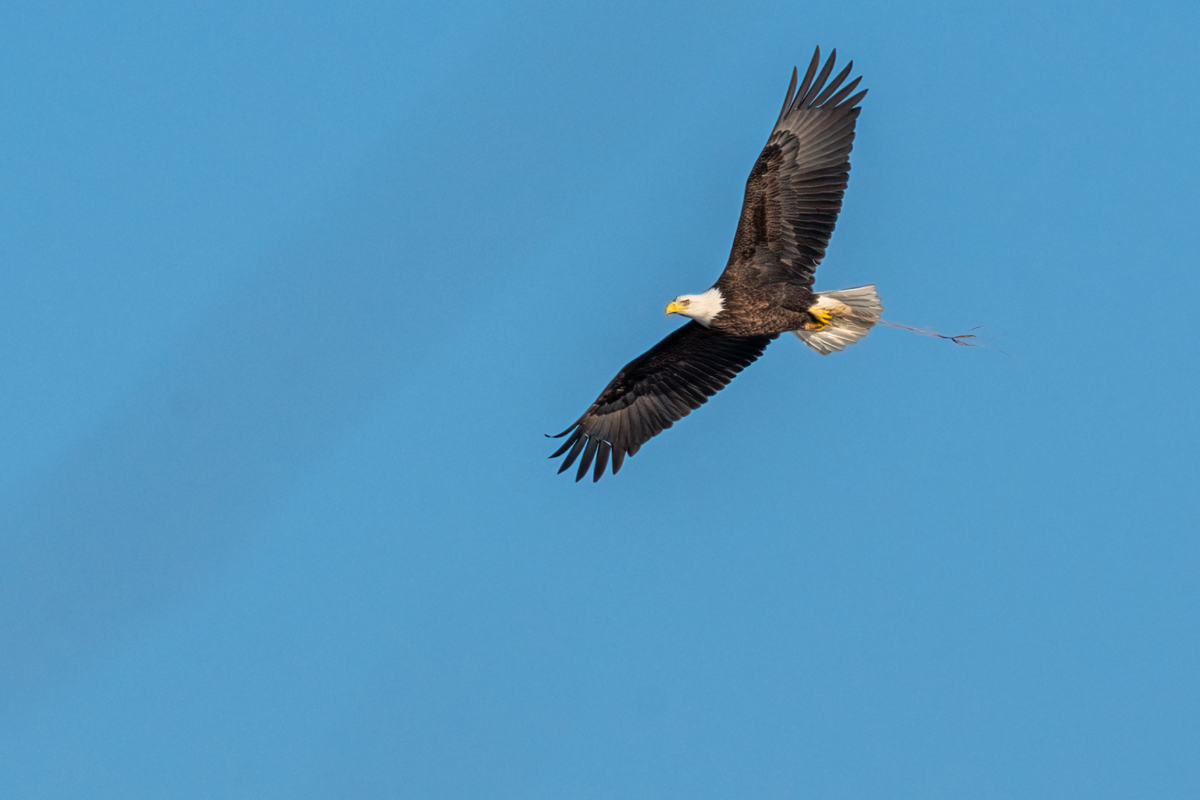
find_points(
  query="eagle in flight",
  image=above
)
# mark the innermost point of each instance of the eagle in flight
(793, 197)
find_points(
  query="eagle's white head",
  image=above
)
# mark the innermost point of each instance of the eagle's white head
(700, 307)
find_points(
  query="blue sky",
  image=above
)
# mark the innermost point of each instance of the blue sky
(290, 293)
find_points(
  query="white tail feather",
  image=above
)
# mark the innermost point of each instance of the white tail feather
(851, 315)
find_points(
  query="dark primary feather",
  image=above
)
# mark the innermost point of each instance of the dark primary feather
(794, 191)
(654, 390)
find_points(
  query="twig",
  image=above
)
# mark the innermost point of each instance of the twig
(967, 339)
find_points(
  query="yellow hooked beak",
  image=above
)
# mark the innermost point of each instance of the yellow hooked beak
(674, 308)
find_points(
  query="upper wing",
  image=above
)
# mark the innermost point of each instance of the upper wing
(795, 190)
(651, 392)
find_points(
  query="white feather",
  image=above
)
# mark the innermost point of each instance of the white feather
(852, 314)
(702, 307)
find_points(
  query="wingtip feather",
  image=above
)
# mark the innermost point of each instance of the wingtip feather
(564, 433)
(574, 454)
(808, 76)
(787, 100)
(567, 444)
(601, 460)
(585, 461)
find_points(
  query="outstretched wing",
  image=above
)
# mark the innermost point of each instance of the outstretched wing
(795, 190)
(654, 390)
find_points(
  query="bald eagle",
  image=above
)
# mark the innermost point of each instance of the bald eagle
(793, 197)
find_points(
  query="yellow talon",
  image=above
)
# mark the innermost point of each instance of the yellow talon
(821, 318)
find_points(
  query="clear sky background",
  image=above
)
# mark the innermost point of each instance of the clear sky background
(289, 293)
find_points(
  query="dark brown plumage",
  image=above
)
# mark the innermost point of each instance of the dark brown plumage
(793, 197)
(654, 390)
